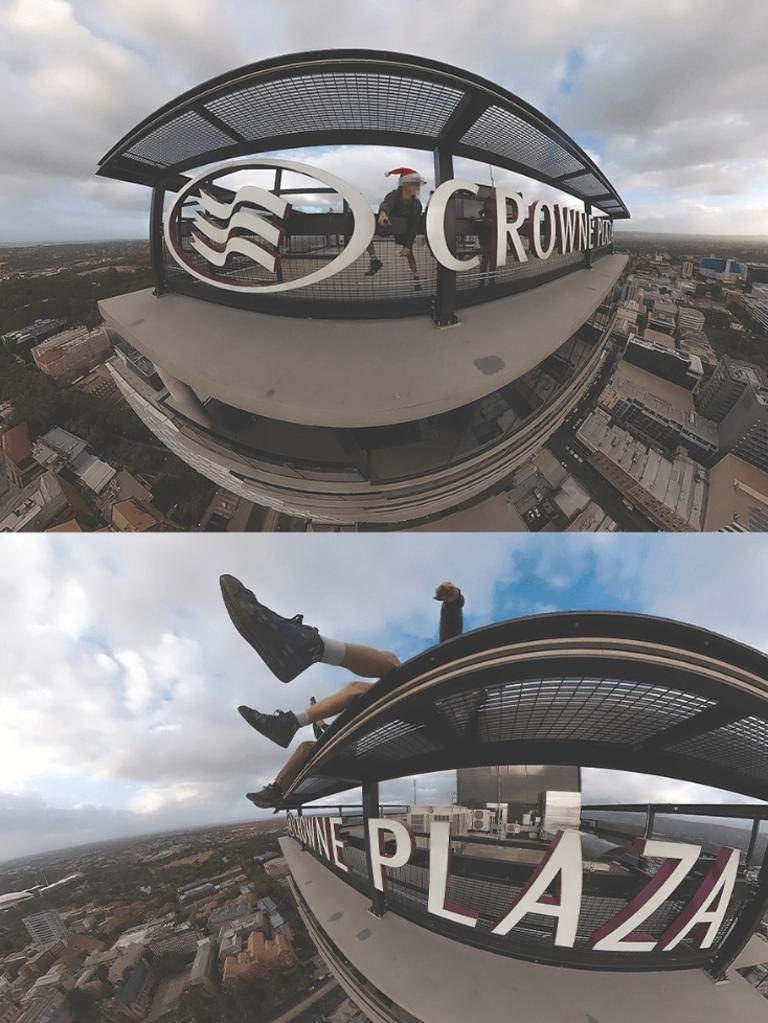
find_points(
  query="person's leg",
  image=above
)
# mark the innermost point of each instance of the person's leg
(272, 795)
(366, 660)
(288, 646)
(414, 270)
(333, 704)
(376, 263)
(281, 726)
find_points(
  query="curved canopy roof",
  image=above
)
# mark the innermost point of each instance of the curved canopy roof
(337, 97)
(595, 689)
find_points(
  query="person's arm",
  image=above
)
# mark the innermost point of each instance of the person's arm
(451, 613)
(387, 207)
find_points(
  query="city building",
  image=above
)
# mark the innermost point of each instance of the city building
(131, 1002)
(726, 386)
(737, 496)
(71, 353)
(744, 430)
(760, 316)
(689, 318)
(657, 411)
(99, 383)
(46, 927)
(21, 342)
(260, 957)
(58, 450)
(49, 1008)
(203, 975)
(130, 515)
(356, 401)
(663, 359)
(671, 492)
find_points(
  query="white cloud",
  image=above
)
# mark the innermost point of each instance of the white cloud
(120, 671)
(627, 80)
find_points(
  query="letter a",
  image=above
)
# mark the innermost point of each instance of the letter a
(562, 860)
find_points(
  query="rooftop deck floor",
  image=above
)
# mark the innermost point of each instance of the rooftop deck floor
(439, 980)
(357, 373)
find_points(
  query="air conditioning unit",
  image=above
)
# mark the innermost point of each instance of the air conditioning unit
(481, 820)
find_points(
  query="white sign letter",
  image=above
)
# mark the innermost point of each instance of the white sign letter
(562, 859)
(509, 228)
(439, 859)
(438, 243)
(405, 846)
(542, 242)
(616, 935)
(706, 909)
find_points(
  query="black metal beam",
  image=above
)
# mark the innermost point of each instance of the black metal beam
(468, 110)
(743, 811)
(217, 122)
(445, 292)
(371, 810)
(705, 721)
(156, 248)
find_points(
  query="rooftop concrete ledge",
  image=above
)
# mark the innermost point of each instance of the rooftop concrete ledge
(437, 979)
(357, 373)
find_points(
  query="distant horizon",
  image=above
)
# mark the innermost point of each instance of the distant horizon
(619, 230)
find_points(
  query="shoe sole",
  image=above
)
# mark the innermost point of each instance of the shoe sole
(256, 728)
(233, 592)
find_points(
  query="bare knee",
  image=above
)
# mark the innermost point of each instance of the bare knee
(355, 689)
(392, 660)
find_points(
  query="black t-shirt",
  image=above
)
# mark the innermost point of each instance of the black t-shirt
(408, 211)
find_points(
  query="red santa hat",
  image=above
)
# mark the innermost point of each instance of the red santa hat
(408, 176)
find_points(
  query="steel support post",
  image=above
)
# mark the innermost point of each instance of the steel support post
(650, 818)
(371, 811)
(156, 252)
(752, 842)
(445, 295)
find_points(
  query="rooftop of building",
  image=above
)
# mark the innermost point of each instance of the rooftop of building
(738, 493)
(435, 978)
(680, 484)
(353, 373)
(666, 399)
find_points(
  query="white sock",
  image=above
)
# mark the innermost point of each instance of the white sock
(303, 718)
(333, 651)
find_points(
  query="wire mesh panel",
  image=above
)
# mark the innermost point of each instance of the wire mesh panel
(501, 132)
(338, 101)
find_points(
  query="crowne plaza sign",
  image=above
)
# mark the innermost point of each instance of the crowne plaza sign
(554, 888)
(251, 223)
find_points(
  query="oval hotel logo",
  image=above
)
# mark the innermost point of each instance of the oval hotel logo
(252, 223)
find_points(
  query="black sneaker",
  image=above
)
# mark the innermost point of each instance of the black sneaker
(286, 646)
(376, 265)
(280, 727)
(270, 796)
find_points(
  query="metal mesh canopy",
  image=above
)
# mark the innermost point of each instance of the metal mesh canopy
(337, 97)
(620, 691)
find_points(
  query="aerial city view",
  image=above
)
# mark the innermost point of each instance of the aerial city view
(360, 367)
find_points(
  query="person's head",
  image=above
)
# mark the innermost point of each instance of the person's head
(410, 181)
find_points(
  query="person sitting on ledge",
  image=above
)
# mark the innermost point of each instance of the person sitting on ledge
(403, 204)
(288, 647)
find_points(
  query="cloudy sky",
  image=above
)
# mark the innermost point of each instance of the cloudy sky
(667, 95)
(120, 671)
